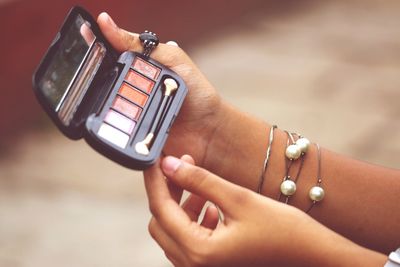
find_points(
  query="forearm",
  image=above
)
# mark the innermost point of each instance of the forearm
(362, 202)
(361, 199)
(326, 248)
(349, 254)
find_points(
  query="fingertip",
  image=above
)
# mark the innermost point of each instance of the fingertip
(102, 16)
(173, 43)
(155, 165)
(188, 159)
(211, 217)
(120, 39)
(170, 165)
(152, 171)
(107, 26)
(102, 19)
(105, 18)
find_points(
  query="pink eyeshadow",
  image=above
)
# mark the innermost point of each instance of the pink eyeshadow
(139, 81)
(120, 121)
(126, 108)
(146, 68)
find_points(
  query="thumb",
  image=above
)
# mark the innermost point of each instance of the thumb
(120, 39)
(203, 183)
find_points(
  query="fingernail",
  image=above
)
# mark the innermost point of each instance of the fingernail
(110, 20)
(170, 165)
(173, 43)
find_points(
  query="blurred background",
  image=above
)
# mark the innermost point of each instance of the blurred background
(327, 69)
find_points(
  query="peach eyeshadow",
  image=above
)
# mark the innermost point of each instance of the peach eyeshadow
(139, 81)
(133, 95)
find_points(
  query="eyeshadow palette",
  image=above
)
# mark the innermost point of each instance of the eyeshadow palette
(122, 104)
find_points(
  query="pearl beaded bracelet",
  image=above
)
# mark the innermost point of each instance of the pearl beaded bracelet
(294, 150)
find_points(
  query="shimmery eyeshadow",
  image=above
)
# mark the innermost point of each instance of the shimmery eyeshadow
(133, 95)
(126, 108)
(146, 68)
(139, 81)
(120, 121)
(113, 135)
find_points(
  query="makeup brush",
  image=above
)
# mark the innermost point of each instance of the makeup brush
(143, 147)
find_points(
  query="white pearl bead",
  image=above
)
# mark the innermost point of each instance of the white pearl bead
(293, 152)
(288, 187)
(316, 193)
(304, 144)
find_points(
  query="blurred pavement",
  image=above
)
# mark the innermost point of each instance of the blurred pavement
(330, 71)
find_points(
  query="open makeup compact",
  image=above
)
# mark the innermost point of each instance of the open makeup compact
(123, 105)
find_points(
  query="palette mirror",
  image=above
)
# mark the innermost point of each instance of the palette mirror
(71, 69)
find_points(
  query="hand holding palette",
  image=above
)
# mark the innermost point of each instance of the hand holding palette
(123, 105)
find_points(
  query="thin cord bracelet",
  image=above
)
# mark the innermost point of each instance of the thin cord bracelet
(265, 166)
(317, 193)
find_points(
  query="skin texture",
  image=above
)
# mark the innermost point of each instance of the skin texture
(256, 231)
(361, 200)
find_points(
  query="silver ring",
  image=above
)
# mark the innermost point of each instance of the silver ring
(149, 41)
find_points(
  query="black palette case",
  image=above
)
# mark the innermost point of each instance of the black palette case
(123, 105)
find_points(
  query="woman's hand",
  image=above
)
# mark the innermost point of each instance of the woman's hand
(232, 144)
(201, 111)
(209, 129)
(255, 231)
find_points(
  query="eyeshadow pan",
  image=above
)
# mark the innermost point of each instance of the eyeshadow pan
(113, 135)
(146, 68)
(120, 121)
(133, 95)
(126, 108)
(139, 81)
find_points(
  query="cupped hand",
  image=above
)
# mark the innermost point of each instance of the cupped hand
(201, 111)
(255, 230)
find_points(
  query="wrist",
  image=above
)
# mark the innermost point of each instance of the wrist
(237, 146)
